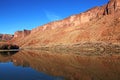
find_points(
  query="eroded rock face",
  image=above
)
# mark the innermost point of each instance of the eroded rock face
(95, 25)
(20, 34)
(5, 37)
(112, 7)
(94, 13)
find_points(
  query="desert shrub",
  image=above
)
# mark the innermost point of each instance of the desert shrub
(8, 46)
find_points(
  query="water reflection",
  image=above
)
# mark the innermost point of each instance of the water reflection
(10, 70)
(6, 56)
(7, 53)
(70, 66)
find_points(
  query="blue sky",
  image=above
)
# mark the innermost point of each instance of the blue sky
(28, 14)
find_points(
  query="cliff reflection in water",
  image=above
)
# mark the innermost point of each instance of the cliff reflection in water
(70, 66)
(6, 56)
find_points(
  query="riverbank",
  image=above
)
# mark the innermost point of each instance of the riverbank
(84, 48)
(9, 50)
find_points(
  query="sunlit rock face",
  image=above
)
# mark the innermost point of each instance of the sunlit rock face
(22, 33)
(99, 24)
(19, 36)
(112, 7)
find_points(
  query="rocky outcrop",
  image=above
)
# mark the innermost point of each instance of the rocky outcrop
(23, 33)
(99, 24)
(75, 20)
(112, 7)
(5, 37)
(19, 36)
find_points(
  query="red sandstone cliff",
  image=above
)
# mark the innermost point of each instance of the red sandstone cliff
(20, 35)
(99, 24)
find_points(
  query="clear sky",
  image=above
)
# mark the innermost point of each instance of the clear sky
(27, 14)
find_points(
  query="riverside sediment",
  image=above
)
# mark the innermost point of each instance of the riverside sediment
(80, 48)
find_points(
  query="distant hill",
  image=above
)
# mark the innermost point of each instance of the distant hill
(5, 37)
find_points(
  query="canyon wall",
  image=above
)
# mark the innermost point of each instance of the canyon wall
(20, 34)
(99, 24)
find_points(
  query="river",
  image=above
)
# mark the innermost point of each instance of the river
(46, 65)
